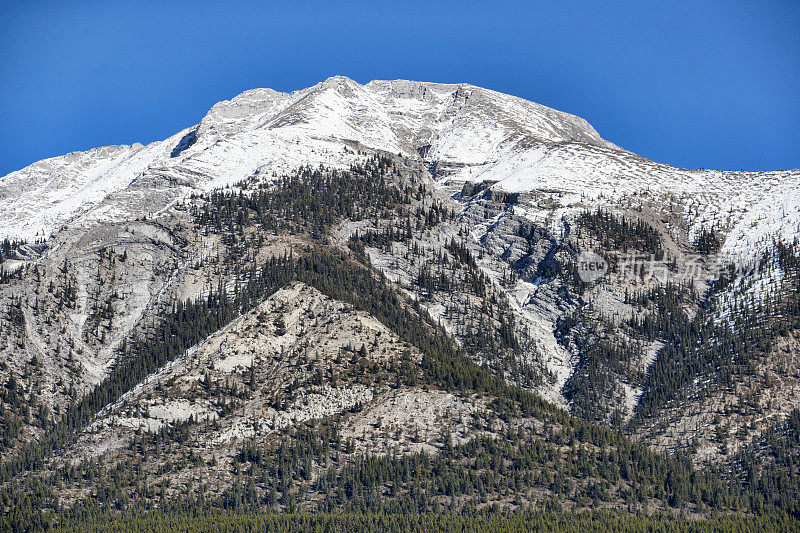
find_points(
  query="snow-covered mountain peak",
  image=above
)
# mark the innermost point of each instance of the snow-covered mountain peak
(469, 103)
(408, 114)
(460, 132)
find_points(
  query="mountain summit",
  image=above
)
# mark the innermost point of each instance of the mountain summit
(454, 126)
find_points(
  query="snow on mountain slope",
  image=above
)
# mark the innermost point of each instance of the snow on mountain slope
(467, 125)
(273, 131)
(462, 133)
(775, 214)
(39, 196)
(753, 207)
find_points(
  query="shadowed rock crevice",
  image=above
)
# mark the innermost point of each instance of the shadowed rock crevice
(185, 143)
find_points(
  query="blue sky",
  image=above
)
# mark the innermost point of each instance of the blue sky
(693, 84)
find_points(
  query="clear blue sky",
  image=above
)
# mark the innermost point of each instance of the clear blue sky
(694, 84)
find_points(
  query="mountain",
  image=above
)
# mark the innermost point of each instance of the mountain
(305, 297)
(269, 131)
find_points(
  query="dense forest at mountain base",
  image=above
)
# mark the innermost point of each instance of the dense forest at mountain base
(525, 522)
